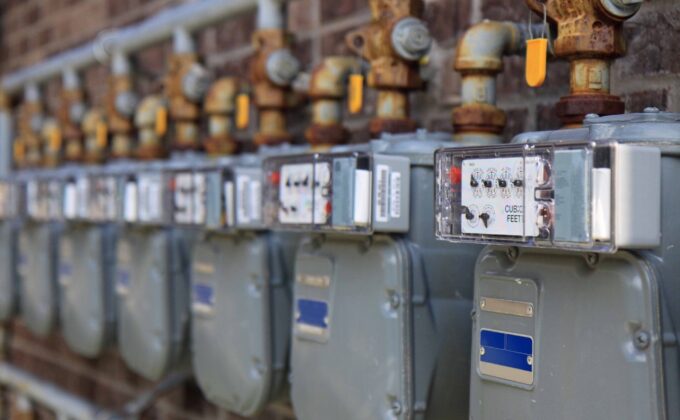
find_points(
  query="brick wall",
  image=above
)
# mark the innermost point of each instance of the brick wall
(33, 29)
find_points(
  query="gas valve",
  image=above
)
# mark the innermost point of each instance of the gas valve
(393, 43)
(96, 134)
(589, 35)
(51, 143)
(184, 86)
(219, 107)
(151, 121)
(272, 71)
(121, 102)
(27, 145)
(70, 115)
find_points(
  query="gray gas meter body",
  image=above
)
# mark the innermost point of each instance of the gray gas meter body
(581, 320)
(151, 274)
(381, 309)
(12, 212)
(86, 260)
(38, 256)
(241, 291)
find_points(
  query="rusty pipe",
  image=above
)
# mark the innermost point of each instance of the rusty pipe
(392, 43)
(327, 89)
(27, 148)
(70, 115)
(219, 107)
(151, 125)
(479, 59)
(95, 132)
(589, 36)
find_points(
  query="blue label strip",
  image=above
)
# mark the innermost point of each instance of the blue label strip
(65, 270)
(312, 312)
(506, 349)
(123, 279)
(203, 294)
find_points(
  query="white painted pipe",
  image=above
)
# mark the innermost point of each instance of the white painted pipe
(64, 404)
(190, 16)
(6, 141)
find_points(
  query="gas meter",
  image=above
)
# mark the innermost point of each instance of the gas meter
(381, 309)
(573, 309)
(240, 288)
(11, 213)
(151, 274)
(86, 261)
(38, 257)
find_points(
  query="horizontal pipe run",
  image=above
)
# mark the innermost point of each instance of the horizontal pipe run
(64, 404)
(190, 16)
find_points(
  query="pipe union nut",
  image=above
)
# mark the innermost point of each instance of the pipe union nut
(411, 39)
(76, 112)
(282, 67)
(621, 9)
(126, 103)
(196, 83)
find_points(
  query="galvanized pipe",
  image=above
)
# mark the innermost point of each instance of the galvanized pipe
(190, 16)
(6, 135)
(64, 404)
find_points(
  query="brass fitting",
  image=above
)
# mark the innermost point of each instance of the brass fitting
(27, 148)
(69, 116)
(51, 143)
(219, 107)
(272, 69)
(479, 59)
(120, 104)
(327, 89)
(589, 36)
(183, 96)
(392, 43)
(151, 123)
(95, 130)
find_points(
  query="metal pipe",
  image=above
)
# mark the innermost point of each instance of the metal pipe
(190, 16)
(6, 135)
(64, 404)
(479, 58)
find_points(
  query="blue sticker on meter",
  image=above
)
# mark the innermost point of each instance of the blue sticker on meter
(311, 316)
(203, 298)
(506, 356)
(122, 281)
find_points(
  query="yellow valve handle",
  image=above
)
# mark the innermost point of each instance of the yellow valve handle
(19, 151)
(242, 111)
(102, 132)
(536, 61)
(54, 139)
(356, 93)
(161, 121)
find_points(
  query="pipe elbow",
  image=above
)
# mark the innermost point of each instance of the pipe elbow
(329, 78)
(483, 46)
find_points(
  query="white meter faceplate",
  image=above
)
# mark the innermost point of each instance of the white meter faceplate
(344, 192)
(584, 196)
(11, 199)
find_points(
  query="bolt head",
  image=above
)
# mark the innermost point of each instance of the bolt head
(641, 339)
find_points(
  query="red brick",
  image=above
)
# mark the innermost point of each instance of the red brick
(331, 10)
(447, 18)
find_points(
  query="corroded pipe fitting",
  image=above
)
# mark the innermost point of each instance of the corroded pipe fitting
(392, 43)
(95, 130)
(219, 108)
(27, 148)
(120, 110)
(327, 89)
(69, 115)
(184, 86)
(272, 70)
(51, 143)
(151, 124)
(479, 59)
(589, 35)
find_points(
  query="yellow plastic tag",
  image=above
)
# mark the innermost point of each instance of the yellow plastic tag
(161, 121)
(242, 111)
(19, 150)
(102, 134)
(54, 138)
(356, 93)
(536, 61)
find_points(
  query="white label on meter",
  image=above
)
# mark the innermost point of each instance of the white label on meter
(382, 173)
(82, 197)
(183, 197)
(70, 200)
(498, 196)
(150, 198)
(199, 205)
(243, 192)
(130, 202)
(395, 195)
(362, 197)
(229, 203)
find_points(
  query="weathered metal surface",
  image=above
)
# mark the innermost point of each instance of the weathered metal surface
(150, 142)
(27, 145)
(219, 107)
(70, 126)
(120, 125)
(95, 130)
(183, 112)
(478, 118)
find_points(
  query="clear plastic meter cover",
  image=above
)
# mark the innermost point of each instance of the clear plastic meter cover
(319, 192)
(44, 196)
(540, 195)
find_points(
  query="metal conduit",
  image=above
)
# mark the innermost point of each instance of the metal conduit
(190, 16)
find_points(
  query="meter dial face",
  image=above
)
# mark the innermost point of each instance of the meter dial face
(490, 183)
(472, 216)
(476, 183)
(504, 182)
(518, 181)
